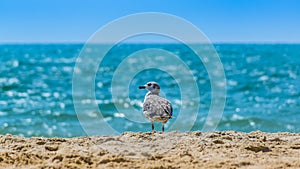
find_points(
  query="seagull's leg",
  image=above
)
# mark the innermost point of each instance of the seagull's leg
(152, 127)
(163, 127)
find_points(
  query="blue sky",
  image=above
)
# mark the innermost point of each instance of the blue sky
(50, 21)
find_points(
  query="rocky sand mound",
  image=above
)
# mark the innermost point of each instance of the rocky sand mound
(154, 150)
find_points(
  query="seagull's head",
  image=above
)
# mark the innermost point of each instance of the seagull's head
(152, 87)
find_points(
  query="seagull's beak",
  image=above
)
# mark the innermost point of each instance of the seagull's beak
(142, 87)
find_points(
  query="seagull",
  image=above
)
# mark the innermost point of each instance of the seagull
(156, 108)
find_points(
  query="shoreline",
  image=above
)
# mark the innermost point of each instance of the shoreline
(228, 149)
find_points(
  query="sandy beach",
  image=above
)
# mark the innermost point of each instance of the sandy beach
(228, 149)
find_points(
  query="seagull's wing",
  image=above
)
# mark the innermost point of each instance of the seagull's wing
(167, 107)
(157, 108)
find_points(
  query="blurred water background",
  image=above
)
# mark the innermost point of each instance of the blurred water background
(263, 88)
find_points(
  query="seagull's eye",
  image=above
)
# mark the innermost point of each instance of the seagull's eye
(149, 84)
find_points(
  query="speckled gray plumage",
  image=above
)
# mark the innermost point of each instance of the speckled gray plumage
(156, 108)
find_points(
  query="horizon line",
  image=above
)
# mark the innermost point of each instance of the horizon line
(145, 42)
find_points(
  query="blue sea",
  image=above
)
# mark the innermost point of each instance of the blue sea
(36, 82)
